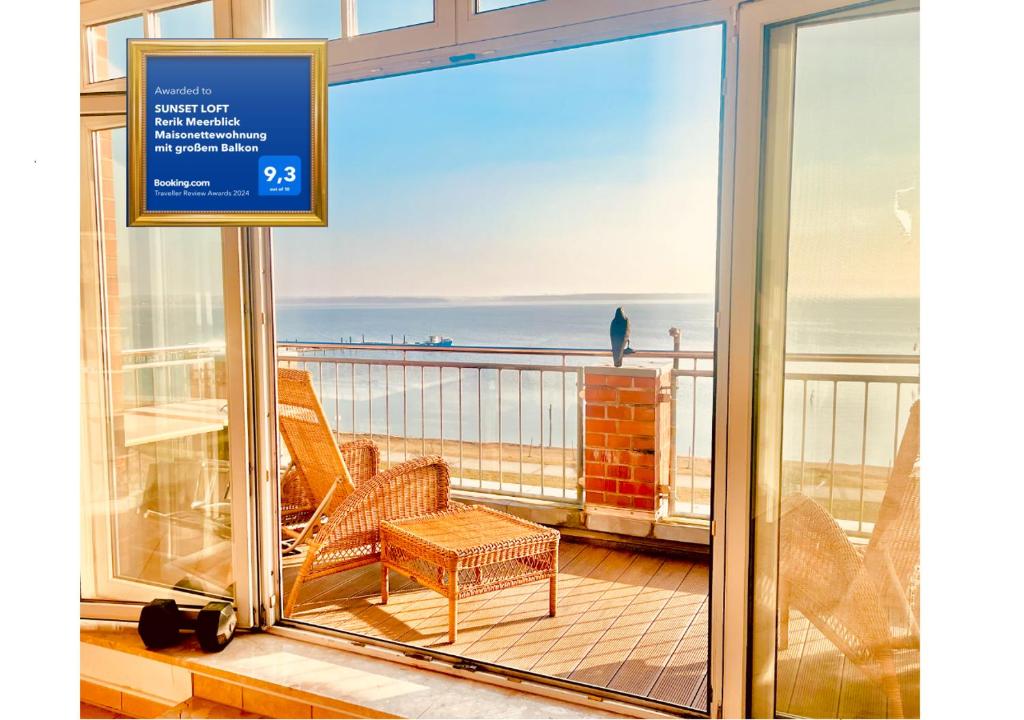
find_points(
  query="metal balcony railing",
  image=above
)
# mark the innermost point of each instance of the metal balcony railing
(510, 420)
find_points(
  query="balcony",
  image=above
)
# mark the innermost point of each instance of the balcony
(527, 430)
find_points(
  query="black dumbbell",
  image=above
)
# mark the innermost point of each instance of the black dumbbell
(161, 623)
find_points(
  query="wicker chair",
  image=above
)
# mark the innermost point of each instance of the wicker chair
(865, 600)
(334, 512)
(320, 474)
(351, 536)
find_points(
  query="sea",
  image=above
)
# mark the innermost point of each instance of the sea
(384, 401)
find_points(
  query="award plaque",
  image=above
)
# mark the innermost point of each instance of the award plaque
(227, 132)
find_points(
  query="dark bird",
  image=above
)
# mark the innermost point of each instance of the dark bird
(619, 332)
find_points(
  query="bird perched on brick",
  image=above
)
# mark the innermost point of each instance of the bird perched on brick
(619, 332)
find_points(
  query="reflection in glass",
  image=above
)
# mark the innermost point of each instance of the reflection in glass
(376, 15)
(108, 47)
(306, 18)
(187, 21)
(166, 499)
(841, 267)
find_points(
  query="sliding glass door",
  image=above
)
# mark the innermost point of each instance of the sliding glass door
(836, 569)
(164, 510)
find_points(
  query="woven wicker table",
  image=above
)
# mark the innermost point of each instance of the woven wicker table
(468, 551)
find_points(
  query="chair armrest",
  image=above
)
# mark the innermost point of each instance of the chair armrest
(297, 501)
(362, 457)
(415, 487)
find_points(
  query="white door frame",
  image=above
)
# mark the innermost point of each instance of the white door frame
(752, 22)
(659, 16)
(126, 596)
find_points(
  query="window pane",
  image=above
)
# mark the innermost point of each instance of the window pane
(838, 446)
(376, 15)
(518, 203)
(306, 18)
(108, 47)
(485, 5)
(158, 475)
(190, 21)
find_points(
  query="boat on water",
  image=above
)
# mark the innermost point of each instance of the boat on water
(436, 341)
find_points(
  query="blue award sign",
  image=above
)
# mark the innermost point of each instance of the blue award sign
(227, 132)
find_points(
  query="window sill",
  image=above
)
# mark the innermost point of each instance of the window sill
(334, 680)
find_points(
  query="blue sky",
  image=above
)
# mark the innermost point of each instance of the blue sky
(586, 170)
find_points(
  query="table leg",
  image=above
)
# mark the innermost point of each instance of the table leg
(552, 594)
(553, 588)
(453, 603)
(453, 612)
(384, 587)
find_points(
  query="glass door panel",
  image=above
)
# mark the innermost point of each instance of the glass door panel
(479, 237)
(837, 587)
(156, 480)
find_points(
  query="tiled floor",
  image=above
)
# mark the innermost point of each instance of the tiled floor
(627, 621)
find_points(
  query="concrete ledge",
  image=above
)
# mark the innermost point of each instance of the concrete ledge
(628, 371)
(601, 525)
(538, 511)
(280, 676)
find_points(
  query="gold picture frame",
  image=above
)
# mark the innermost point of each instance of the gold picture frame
(140, 50)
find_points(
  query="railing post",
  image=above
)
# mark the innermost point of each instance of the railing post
(676, 334)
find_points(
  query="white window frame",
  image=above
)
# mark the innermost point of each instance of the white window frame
(643, 17)
(545, 14)
(98, 12)
(105, 596)
(459, 32)
(352, 47)
(753, 21)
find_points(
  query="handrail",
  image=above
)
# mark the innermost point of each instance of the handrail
(493, 349)
(590, 352)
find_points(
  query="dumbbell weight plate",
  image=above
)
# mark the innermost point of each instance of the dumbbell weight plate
(159, 623)
(215, 626)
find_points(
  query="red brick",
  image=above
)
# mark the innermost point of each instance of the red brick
(643, 474)
(595, 439)
(595, 497)
(621, 381)
(642, 443)
(621, 457)
(644, 460)
(628, 488)
(618, 471)
(598, 455)
(643, 503)
(600, 485)
(618, 412)
(635, 427)
(637, 397)
(608, 380)
(601, 426)
(600, 394)
(595, 411)
(617, 441)
(645, 382)
(640, 413)
(622, 500)
(595, 470)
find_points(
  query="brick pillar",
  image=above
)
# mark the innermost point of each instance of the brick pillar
(626, 442)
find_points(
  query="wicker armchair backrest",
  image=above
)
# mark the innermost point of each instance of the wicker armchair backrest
(308, 437)
(893, 555)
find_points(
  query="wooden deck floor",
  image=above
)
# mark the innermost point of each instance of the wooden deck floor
(632, 622)
(816, 680)
(628, 621)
